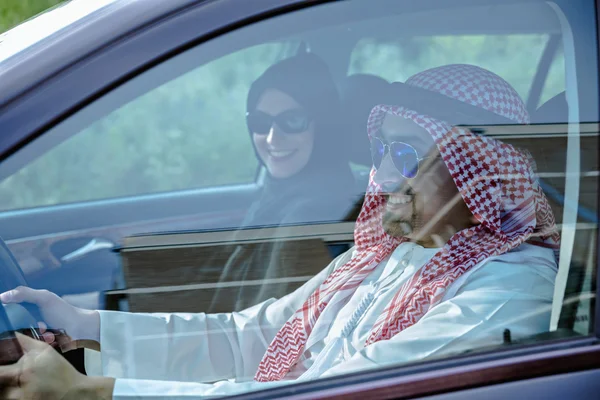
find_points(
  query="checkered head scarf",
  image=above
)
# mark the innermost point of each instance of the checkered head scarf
(496, 181)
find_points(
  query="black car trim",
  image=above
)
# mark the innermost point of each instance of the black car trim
(595, 311)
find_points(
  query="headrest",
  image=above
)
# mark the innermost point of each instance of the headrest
(360, 93)
(555, 110)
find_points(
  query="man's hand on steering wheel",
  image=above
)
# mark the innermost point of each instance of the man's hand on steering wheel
(79, 324)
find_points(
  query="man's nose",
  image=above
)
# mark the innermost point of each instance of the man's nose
(387, 176)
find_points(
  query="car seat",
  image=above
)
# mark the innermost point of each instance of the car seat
(552, 111)
(360, 93)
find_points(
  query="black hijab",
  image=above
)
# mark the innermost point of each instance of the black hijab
(325, 185)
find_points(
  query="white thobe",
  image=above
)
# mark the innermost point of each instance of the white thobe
(195, 355)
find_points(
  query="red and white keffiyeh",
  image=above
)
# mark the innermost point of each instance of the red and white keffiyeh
(497, 183)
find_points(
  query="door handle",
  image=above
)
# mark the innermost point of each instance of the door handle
(93, 245)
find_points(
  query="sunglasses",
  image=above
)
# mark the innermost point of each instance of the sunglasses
(291, 121)
(404, 157)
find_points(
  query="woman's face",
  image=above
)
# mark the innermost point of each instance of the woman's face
(284, 154)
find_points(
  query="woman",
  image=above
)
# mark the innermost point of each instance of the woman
(293, 114)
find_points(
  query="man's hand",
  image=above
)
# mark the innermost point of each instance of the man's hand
(43, 374)
(82, 326)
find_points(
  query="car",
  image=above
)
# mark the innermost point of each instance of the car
(126, 168)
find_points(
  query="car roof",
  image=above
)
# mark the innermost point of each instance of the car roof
(52, 41)
(43, 26)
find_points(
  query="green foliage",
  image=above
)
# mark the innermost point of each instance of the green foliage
(190, 132)
(514, 57)
(187, 133)
(13, 12)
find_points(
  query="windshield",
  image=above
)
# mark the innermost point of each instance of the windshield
(24, 36)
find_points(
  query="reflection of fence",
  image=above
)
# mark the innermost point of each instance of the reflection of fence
(182, 272)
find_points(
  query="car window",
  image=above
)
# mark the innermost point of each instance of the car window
(351, 186)
(187, 133)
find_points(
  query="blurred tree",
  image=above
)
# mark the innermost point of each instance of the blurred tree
(13, 12)
(189, 132)
(513, 57)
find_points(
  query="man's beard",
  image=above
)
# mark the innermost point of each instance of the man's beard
(401, 226)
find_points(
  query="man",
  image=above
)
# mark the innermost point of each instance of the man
(455, 240)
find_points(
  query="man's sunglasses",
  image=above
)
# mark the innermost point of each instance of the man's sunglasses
(404, 157)
(290, 121)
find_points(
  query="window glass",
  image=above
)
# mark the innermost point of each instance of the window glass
(367, 184)
(187, 133)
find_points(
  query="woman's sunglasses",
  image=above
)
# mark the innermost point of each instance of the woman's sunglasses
(404, 157)
(290, 121)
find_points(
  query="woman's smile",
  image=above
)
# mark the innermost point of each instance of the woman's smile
(281, 155)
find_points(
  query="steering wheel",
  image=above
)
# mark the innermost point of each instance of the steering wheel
(12, 276)
(22, 317)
